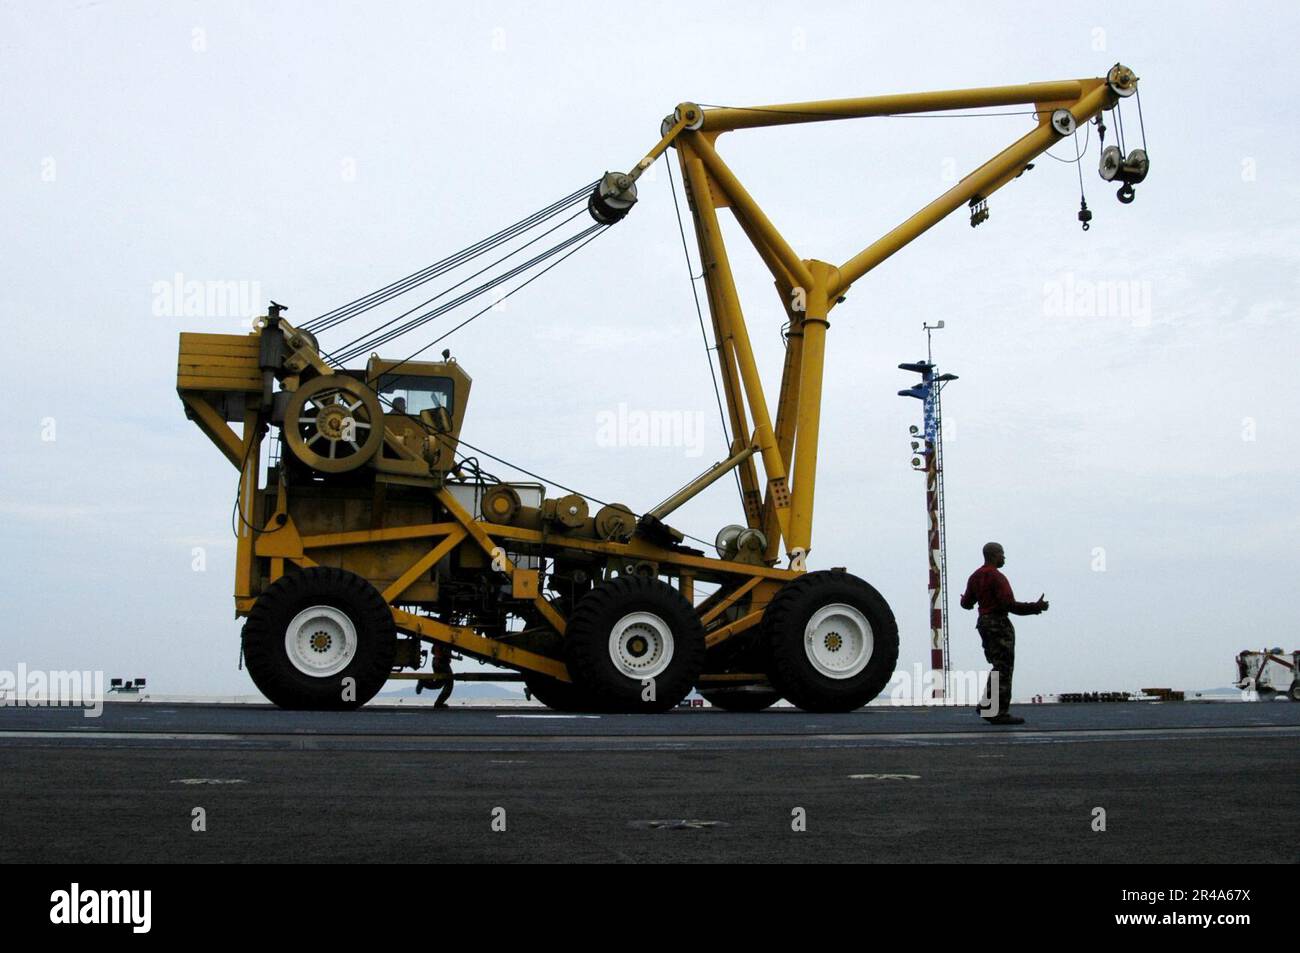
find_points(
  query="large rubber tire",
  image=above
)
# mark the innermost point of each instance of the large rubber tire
(789, 629)
(560, 696)
(346, 596)
(750, 698)
(1294, 693)
(617, 612)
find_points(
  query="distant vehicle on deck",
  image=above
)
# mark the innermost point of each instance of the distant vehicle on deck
(1269, 673)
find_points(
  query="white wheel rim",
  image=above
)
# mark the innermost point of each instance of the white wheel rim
(641, 645)
(321, 641)
(838, 641)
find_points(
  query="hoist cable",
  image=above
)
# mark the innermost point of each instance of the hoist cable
(583, 238)
(1079, 166)
(555, 483)
(699, 313)
(356, 343)
(569, 247)
(384, 295)
(1079, 153)
(1141, 123)
(417, 322)
(365, 302)
(462, 458)
(440, 267)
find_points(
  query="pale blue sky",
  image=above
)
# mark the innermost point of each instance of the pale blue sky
(321, 150)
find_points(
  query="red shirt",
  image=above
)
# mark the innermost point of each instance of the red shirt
(992, 591)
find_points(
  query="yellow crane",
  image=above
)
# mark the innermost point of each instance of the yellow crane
(373, 534)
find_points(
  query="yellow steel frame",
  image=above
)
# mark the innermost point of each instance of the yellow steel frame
(280, 541)
(810, 288)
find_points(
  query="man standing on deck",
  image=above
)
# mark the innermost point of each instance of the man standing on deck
(988, 588)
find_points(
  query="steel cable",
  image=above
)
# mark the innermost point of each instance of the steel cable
(344, 312)
(371, 343)
(371, 339)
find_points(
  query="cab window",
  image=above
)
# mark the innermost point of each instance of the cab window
(418, 393)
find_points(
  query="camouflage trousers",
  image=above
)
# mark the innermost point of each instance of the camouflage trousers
(999, 637)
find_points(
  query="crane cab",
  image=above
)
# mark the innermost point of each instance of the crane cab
(419, 397)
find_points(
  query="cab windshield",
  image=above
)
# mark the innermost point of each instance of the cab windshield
(416, 393)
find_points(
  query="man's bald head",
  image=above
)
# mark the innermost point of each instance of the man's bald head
(994, 555)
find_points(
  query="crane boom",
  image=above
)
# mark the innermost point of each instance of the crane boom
(810, 288)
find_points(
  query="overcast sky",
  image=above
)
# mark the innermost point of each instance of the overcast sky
(1138, 463)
